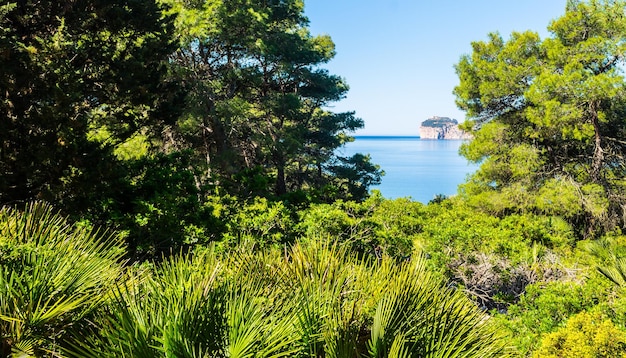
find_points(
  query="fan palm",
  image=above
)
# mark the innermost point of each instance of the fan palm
(417, 316)
(190, 306)
(174, 311)
(348, 307)
(52, 274)
(384, 308)
(311, 300)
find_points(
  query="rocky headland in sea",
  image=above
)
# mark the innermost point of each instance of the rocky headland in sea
(442, 128)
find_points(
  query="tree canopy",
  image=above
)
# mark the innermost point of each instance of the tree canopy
(79, 78)
(548, 118)
(139, 114)
(256, 107)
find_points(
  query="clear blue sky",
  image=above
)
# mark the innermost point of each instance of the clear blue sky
(398, 55)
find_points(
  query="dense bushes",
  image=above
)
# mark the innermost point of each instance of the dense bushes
(65, 293)
(373, 227)
(346, 266)
(529, 267)
(586, 335)
(339, 279)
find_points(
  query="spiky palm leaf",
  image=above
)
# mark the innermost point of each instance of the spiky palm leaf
(408, 312)
(176, 311)
(423, 318)
(615, 271)
(309, 301)
(323, 283)
(612, 262)
(52, 274)
(258, 329)
(261, 316)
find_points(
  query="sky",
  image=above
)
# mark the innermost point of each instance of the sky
(398, 56)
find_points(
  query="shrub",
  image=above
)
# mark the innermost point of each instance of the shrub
(373, 227)
(546, 306)
(52, 277)
(260, 223)
(311, 300)
(586, 335)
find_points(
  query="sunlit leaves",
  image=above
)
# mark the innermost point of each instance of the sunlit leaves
(51, 275)
(586, 334)
(258, 97)
(555, 102)
(307, 300)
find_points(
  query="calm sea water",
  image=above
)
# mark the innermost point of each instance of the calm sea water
(414, 168)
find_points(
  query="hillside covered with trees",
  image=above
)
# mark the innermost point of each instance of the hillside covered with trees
(170, 187)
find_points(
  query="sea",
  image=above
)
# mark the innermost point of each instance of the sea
(416, 168)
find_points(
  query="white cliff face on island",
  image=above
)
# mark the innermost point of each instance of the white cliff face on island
(442, 128)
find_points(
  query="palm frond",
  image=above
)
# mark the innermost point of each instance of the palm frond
(615, 271)
(52, 275)
(432, 319)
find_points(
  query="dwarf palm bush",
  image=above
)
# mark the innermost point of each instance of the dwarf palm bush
(347, 307)
(175, 311)
(257, 326)
(190, 306)
(323, 282)
(615, 271)
(310, 300)
(52, 275)
(416, 316)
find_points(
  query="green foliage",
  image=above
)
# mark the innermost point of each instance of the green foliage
(345, 222)
(610, 253)
(70, 69)
(261, 223)
(305, 301)
(398, 223)
(439, 122)
(373, 227)
(158, 207)
(256, 102)
(547, 119)
(151, 116)
(408, 317)
(585, 335)
(454, 226)
(52, 276)
(492, 258)
(175, 311)
(355, 175)
(545, 307)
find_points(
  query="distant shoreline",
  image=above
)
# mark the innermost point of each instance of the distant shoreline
(385, 137)
(405, 137)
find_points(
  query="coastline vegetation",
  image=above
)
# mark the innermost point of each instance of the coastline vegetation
(169, 187)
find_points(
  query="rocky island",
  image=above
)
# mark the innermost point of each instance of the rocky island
(442, 128)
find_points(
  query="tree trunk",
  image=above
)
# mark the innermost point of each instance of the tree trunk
(281, 185)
